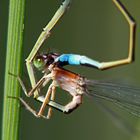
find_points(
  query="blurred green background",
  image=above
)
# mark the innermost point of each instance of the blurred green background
(94, 28)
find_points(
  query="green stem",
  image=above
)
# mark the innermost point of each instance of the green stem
(10, 121)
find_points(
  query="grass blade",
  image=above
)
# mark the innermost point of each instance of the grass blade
(10, 122)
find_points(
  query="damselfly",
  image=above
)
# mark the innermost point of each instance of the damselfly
(73, 83)
(77, 86)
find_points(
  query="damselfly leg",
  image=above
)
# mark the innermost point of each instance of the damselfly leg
(125, 96)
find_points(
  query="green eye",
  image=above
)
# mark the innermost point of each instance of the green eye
(39, 63)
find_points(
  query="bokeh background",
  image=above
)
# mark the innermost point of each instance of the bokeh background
(94, 28)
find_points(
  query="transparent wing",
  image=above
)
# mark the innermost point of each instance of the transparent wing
(125, 96)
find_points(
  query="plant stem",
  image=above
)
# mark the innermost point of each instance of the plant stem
(10, 123)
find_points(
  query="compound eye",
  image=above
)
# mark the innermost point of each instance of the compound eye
(39, 63)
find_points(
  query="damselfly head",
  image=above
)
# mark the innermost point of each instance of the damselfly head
(43, 61)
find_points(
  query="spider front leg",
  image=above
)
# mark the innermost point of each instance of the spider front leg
(44, 36)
